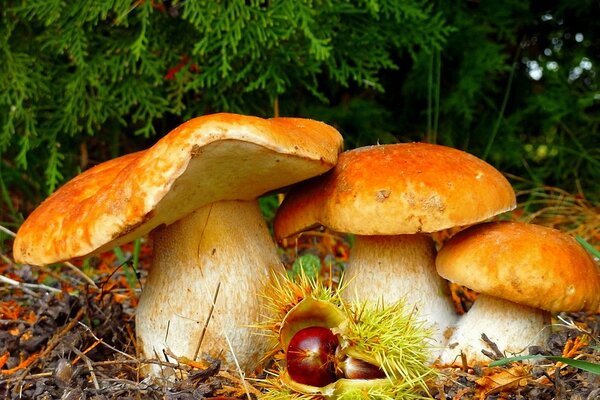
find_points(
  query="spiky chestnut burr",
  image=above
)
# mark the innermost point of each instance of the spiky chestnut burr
(388, 339)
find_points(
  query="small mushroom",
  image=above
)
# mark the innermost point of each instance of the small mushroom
(522, 272)
(390, 197)
(195, 190)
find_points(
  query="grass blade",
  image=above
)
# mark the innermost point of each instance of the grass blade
(583, 365)
(588, 247)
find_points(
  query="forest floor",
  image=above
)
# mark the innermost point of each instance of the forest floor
(62, 338)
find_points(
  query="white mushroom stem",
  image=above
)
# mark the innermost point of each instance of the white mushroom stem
(225, 247)
(401, 268)
(511, 326)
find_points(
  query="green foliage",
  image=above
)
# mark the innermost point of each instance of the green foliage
(510, 91)
(512, 84)
(308, 265)
(99, 73)
(81, 82)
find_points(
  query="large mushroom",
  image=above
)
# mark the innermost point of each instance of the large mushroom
(390, 197)
(195, 190)
(523, 272)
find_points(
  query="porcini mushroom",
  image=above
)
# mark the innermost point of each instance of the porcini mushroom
(522, 272)
(196, 191)
(389, 197)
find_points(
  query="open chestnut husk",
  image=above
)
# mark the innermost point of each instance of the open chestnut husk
(381, 350)
(315, 359)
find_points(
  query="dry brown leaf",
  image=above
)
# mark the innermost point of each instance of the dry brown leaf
(503, 381)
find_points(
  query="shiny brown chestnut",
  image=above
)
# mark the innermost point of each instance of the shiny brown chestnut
(310, 356)
(353, 368)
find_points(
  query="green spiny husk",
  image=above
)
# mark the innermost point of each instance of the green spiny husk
(386, 336)
(391, 338)
(284, 292)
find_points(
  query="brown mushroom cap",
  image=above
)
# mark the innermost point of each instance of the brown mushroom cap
(210, 158)
(397, 189)
(524, 263)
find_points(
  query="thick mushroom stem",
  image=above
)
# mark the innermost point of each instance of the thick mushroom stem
(222, 250)
(511, 326)
(401, 267)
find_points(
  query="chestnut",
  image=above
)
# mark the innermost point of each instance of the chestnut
(353, 368)
(310, 356)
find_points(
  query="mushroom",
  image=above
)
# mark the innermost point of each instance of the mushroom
(196, 191)
(389, 197)
(522, 272)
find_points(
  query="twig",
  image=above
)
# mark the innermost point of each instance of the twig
(7, 231)
(204, 328)
(28, 377)
(81, 274)
(118, 362)
(235, 360)
(17, 284)
(237, 366)
(100, 364)
(90, 348)
(67, 280)
(129, 385)
(162, 371)
(493, 346)
(106, 344)
(26, 286)
(87, 362)
(569, 324)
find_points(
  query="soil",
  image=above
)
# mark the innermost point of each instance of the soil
(60, 338)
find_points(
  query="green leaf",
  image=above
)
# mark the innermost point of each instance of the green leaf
(583, 365)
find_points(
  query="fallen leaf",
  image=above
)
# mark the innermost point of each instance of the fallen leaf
(503, 381)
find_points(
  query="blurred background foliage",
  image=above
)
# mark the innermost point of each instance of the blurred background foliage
(511, 81)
